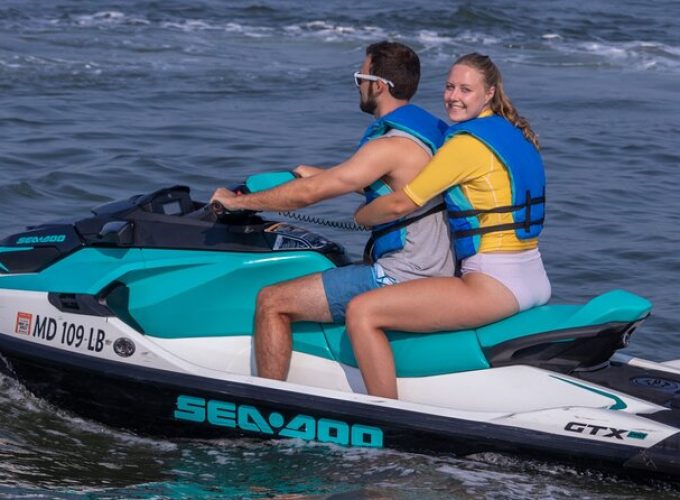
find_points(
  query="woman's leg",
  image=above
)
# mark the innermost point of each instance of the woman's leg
(423, 305)
(371, 348)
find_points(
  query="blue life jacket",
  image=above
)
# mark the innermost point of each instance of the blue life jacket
(527, 181)
(427, 128)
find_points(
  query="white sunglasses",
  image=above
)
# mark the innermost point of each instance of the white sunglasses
(371, 78)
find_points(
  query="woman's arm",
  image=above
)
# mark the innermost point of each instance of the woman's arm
(455, 162)
(307, 170)
(385, 209)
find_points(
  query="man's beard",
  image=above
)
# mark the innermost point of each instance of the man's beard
(369, 105)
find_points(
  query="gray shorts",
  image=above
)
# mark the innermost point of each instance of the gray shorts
(342, 284)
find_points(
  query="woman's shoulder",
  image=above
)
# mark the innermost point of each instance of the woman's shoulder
(465, 144)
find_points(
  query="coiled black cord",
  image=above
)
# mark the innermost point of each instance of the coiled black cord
(335, 224)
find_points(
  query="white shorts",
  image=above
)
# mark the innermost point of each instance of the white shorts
(521, 272)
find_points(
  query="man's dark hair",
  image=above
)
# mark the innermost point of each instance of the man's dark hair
(399, 64)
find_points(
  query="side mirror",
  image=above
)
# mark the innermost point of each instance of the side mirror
(119, 233)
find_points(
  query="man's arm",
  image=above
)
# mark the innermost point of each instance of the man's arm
(374, 160)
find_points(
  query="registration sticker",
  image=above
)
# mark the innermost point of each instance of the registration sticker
(23, 324)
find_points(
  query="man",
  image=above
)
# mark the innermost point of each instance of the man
(394, 149)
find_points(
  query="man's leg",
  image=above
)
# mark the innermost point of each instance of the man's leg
(301, 299)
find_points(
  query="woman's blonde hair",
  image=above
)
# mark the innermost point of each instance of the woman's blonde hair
(500, 103)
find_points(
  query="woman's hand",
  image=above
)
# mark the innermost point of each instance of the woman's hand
(307, 170)
(385, 209)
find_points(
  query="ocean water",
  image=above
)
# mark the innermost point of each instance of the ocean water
(103, 99)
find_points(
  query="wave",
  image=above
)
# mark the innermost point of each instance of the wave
(138, 32)
(105, 18)
(637, 54)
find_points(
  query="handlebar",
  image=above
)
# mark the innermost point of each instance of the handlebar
(220, 213)
(216, 207)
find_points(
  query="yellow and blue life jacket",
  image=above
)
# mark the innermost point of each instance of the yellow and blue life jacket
(527, 181)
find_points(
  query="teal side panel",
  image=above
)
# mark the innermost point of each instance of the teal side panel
(309, 338)
(419, 354)
(339, 344)
(197, 294)
(613, 306)
(85, 271)
(180, 293)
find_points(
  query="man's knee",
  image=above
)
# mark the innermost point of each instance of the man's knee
(301, 299)
(284, 298)
(270, 300)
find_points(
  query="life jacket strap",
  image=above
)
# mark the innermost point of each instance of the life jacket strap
(497, 228)
(408, 221)
(500, 210)
(368, 249)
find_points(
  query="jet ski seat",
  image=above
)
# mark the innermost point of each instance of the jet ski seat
(418, 355)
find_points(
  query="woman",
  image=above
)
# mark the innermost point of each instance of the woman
(493, 182)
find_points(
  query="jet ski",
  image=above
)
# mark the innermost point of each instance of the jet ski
(140, 316)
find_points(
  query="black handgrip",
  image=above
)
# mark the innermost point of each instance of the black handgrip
(217, 208)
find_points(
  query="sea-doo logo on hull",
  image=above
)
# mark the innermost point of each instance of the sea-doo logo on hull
(124, 347)
(602, 431)
(50, 238)
(250, 419)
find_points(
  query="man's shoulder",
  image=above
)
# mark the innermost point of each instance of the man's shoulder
(399, 141)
